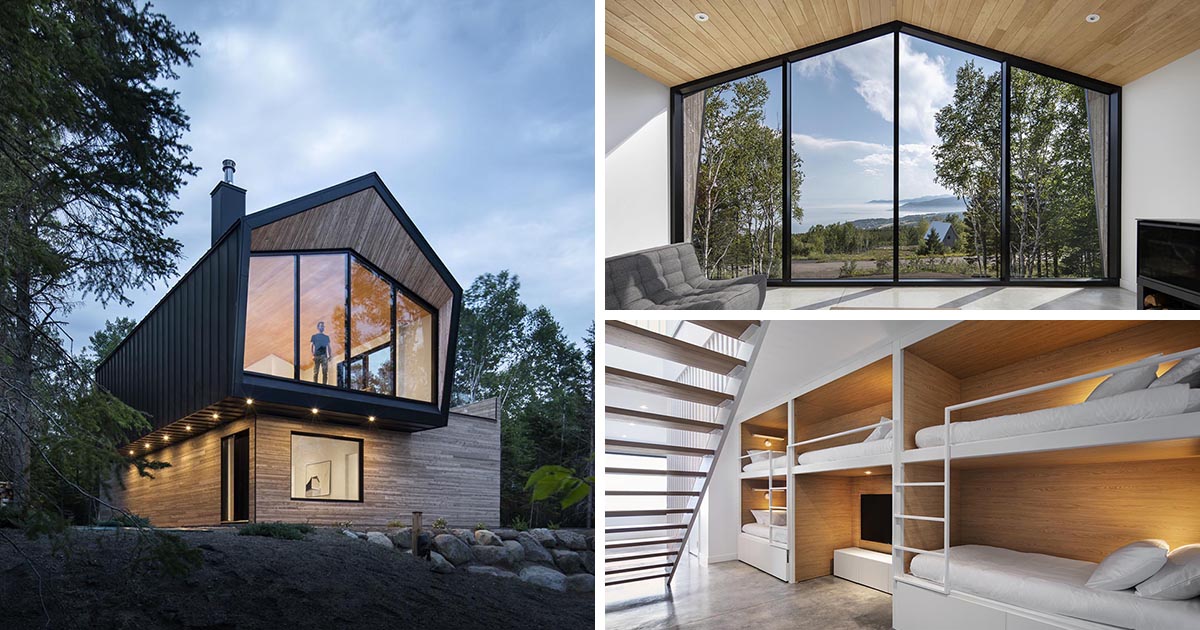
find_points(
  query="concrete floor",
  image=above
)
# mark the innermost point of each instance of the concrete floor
(957, 298)
(736, 595)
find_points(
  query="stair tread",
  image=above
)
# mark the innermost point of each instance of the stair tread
(641, 542)
(628, 379)
(634, 447)
(644, 528)
(663, 420)
(639, 556)
(638, 339)
(656, 512)
(652, 493)
(651, 471)
(729, 327)
(638, 579)
(666, 565)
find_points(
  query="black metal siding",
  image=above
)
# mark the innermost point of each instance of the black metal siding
(179, 359)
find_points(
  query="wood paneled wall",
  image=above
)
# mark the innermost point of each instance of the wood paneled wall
(1080, 512)
(927, 391)
(822, 514)
(808, 428)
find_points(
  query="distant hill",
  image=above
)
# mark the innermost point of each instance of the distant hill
(912, 219)
(928, 201)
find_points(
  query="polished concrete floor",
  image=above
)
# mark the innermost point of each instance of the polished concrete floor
(957, 298)
(736, 595)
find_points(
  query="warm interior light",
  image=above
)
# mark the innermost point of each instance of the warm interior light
(868, 472)
(131, 452)
(1092, 18)
(165, 438)
(370, 418)
(216, 416)
(766, 442)
(188, 427)
(249, 401)
(147, 445)
(701, 17)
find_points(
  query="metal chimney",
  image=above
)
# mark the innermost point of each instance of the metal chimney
(228, 203)
(229, 167)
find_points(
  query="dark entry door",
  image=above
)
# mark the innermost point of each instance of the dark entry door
(235, 477)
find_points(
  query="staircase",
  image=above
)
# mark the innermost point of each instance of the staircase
(673, 389)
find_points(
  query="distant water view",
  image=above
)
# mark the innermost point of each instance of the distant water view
(874, 213)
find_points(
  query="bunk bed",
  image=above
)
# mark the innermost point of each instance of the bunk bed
(1144, 440)
(763, 538)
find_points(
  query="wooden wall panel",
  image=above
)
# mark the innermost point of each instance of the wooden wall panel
(189, 492)
(806, 430)
(928, 390)
(1081, 512)
(822, 514)
(754, 498)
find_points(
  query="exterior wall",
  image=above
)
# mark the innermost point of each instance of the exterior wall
(636, 160)
(189, 492)
(451, 472)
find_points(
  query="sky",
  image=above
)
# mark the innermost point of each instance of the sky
(842, 124)
(477, 115)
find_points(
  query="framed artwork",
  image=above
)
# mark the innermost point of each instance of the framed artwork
(318, 482)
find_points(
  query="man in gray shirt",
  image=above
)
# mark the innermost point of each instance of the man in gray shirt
(320, 352)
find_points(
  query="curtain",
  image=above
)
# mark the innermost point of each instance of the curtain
(1097, 114)
(693, 129)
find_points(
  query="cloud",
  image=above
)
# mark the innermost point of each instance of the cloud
(806, 143)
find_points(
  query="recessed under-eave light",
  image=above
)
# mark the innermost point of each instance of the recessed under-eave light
(249, 401)
(131, 452)
(701, 17)
(370, 418)
(315, 410)
(1092, 18)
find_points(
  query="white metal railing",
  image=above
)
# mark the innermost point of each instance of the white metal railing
(772, 456)
(948, 454)
(832, 436)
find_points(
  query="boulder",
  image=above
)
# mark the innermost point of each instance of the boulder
(568, 539)
(474, 568)
(534, 551)
(516, 553)
(485, 537)
(464, 535)
(402, 538)
(379, 538)
(544, 536)
(491, 555)
(349, 534)
(544, 577)
(589, 561)
(506, 533)
(439, 564)
(567, 561)
(581, 583)
(591, 542)
(452, 548)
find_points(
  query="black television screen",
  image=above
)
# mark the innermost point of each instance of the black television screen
(876, 518)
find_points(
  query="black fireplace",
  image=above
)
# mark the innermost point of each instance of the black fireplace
(1168, 263)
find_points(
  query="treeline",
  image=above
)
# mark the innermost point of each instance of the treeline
(545, 384)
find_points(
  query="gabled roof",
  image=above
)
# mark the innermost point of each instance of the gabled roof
(941, 228)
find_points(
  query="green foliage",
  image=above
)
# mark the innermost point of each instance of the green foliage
(489, 334)
(439, 523)
(519, 523)
(396, 523)
(553, 526)
(480, 525)
(559, 481)
(932, 245)
(125, 520)
(287, 531)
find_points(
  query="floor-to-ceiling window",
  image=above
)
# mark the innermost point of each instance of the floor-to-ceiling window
(913, 157)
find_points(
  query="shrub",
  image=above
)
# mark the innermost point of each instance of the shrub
(480, 525)
(287, 531)
(125, 520)
(440, 523)
(519, 524)
(344, 524)
(553, 526)
(396, 523)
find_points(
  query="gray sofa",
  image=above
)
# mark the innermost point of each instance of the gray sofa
(670, 277)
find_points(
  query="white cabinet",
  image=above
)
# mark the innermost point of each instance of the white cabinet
(869, 568)
(915, 608)
(762, 555)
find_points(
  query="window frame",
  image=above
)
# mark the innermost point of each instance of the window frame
(362, 457)
(351, 257)
(897, 28)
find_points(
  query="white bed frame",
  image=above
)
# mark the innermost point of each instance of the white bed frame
(767, 554)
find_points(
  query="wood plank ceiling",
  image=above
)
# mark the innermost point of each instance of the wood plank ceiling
(661, 38)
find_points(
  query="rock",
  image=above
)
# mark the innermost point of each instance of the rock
(543, 535)
(349, 534)
(534, 551)
(491, 555)
(361, 535)
(464, 535)
(567, 561)
(516, 553)
(568, 539)
(439, 564)
(490, 571)
(452, 548)
(379, 538)
(544, 577)
(506, 533)
(402, 538)
(581, 583)
(591, 542)
(485, 537)
(589, 561)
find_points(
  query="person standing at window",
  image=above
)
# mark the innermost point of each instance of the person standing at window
(320, 353)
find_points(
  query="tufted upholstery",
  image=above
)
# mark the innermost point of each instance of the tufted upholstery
(670, 277)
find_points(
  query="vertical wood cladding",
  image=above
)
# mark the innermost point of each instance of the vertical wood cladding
(180, 357)
(452, 472)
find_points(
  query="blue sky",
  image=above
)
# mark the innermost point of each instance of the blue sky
(842, 111)
(477, 115)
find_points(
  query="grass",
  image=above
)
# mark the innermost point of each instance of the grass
(287, 531)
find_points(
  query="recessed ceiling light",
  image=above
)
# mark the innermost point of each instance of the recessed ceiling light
(1092, 18)
(370, 418)
(701, 17)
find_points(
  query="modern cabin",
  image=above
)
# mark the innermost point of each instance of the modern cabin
(301, 371)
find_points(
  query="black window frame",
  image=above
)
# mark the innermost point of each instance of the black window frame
(897, 28)
(396, 287)
(362, 458)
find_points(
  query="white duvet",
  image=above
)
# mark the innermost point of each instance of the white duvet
(780, 465)
(754, 529)
(1053, 585)
(1144, 403)
(849, 451)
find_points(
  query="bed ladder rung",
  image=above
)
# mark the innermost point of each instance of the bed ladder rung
(913, 517)
(920, 484)
(914, 550)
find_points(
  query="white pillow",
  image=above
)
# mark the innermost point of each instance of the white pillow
(1127, 381)
(760, 516)
(779, 517)
(1186, 371)
(1130, 565)
(759, 456)
(881, 431)
(1178, 579)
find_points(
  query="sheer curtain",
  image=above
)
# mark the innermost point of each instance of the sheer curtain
(1097, 114)
(693, 129)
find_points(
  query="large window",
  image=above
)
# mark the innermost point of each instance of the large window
(326, 468)
(911, 157)
(331, 319)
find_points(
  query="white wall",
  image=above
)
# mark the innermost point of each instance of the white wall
(1160, 158)
(636, 143)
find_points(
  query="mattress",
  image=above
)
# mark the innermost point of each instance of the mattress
(1052, 585)
(764, 466)
(849, 451)
(754, 529)
(1144, 403)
